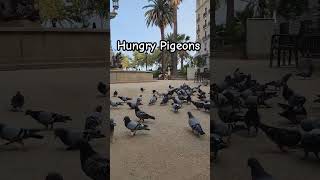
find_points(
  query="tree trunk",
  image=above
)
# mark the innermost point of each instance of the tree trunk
(181, 64)
(101, 21)
(161, 53)
(175, 34)
(230, 12)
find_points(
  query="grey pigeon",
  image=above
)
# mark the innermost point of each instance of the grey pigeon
(134, 126)
(94, 119)
(142, 115)
(93, 164)
(124, 98)
(17, 101)
(153, 100)
(73, 138)
(47, 118)
(116, 104)
(102, 88)
(176, 107)
(257, 171)
(195, 124)
(310, 124)
(12, 134)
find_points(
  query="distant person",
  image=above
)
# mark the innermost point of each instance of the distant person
(94, 26)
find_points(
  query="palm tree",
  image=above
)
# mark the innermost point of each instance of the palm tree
(160, 14)
(175, 5)
(230, 12)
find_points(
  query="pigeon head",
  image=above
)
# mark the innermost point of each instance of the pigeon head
(54, 176)
(99, 108)
(60, 132)
(190, 115)
(126, 119)
(18, 93)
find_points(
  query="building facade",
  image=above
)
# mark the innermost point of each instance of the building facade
(203, 30)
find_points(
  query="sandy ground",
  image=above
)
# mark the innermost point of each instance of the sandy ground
(169, 150)
(69, 91)
(232, 162)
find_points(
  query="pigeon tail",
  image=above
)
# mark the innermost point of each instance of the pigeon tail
(199, 129)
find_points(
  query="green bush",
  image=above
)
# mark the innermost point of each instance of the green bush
(156, 73)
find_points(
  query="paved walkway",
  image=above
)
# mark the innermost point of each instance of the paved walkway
(169, 150)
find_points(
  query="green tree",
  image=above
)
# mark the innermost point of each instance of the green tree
(81, 10)
(160, 14)
(52, 11)
(125, 62)
(101, 8)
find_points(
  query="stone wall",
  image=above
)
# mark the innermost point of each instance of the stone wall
(119, 76)
(35, 46)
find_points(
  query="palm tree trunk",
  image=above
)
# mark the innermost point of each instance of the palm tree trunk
(175, 34)
(161, 54)
(230, 12)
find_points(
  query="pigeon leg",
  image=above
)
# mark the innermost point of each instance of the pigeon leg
(134, 133)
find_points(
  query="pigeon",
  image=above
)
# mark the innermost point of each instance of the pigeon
(198, 105)
(308, 73)
(116, 104)
(217, 144)
(142, 115)
(310, 124)
(153, 100)
(222, 129)
(164, 100)
(115, 93)
(134, 126)
(54, 176)
(17, 102)
(195, 125)
(47, 118)
(252, 118)
(278, 84)
(93, 164)
(17, 135)
(176, 107)
(71, 139)
(154, 91)
(294, 114)
(124, 98)
(142, 90)
(171, 87)
(282, 137)
(94, 120)
(257, 171)
(112, 125)
(102, 88)
(132, 105)
(311, 143)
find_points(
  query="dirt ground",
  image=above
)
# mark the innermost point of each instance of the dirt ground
(69, 91)
(232, 162)
(169, 150)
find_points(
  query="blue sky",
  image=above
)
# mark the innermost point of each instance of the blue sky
(130, 24)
